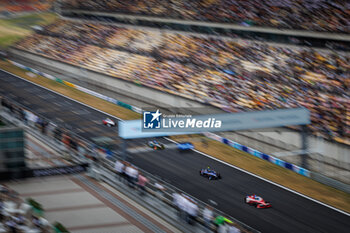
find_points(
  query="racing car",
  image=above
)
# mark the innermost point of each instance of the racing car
(108, 122)
(185, 146)
(257, 201)
(210, 174)
(155, 145)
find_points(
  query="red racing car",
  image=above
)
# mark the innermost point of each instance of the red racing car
(257, 201)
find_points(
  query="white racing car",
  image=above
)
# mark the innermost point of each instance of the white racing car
(108, 122)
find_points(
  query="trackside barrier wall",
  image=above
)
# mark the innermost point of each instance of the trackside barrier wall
(256, 153)
(231, 143)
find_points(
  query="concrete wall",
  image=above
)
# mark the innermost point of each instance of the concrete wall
(146, 94)
(334, 153)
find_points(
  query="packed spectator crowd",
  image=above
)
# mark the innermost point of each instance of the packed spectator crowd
(314, 15)
(234, 75)
(19, 6)
(17, 215)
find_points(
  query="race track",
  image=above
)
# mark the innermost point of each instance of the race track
(290, 212)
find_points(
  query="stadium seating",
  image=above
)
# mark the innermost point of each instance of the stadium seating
(19, 6)
(314, 15)
(235, 75)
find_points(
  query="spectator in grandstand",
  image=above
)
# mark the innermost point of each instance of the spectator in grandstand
(36, 222)
(232, 75)
(208, 216)
(58, 133)
(160, 188)
(132, 175)
(11, 225)
(4, 189)
(222, 228)
(43, 125)
(119, 169)
(23, 116)
(232, 228)
(176, 198)
(317, 15)
(1, 209)
(182, 205)
(142, 181)
(19, 219)
(192, 211)
(66, 139)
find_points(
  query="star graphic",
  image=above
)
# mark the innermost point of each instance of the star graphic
(156, 115)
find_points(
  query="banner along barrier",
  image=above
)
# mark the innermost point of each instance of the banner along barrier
(236, 145)
(62, 170)
(256, 153)
(49, 171)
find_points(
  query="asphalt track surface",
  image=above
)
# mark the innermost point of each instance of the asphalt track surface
(290, 212)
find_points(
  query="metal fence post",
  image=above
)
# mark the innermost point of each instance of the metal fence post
(304, 147)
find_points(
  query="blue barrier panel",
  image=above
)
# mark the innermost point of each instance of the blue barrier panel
(258, 154)
(279, 162)
(238, 146)
(250, 151)
(265, 156)
(230, 143)
(244, 148)
(226, 141)
(304, 172)
(288, 165)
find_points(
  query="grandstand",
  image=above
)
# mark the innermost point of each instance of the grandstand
(20, 6)
(314, 15)
(234, 75)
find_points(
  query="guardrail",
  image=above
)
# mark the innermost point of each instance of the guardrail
(84, 150)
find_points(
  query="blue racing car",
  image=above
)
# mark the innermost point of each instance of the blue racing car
(185, 146)
(210, 174)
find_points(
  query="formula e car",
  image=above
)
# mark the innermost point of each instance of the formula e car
(155, 145)
(257, 201)
(185, 146)
(210, 174)
(108, 122)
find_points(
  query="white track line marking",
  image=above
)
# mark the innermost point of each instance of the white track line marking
(269, 181)
(199, 152)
